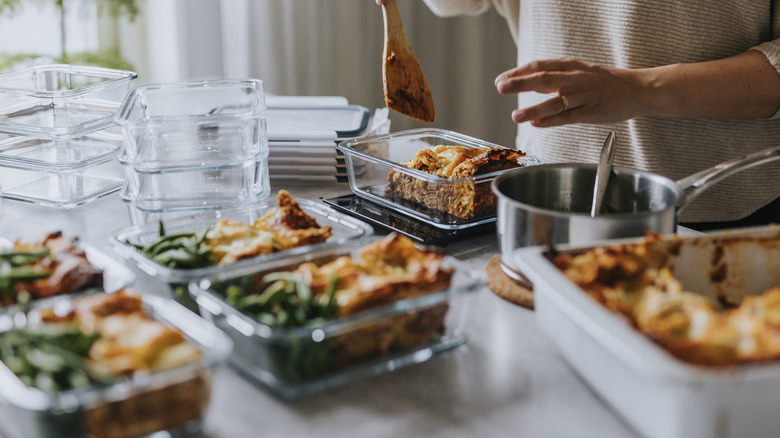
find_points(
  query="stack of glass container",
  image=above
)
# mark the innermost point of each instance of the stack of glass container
(58, 143)
(193, 146)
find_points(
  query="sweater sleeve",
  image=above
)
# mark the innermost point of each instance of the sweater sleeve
(771, 49)
(450, 8)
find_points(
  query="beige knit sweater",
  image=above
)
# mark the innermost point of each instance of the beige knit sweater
(638, 34)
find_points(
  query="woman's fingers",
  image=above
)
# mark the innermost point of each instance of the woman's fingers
(548, 108)
(542, 82)
(585, 92)
(548, 65)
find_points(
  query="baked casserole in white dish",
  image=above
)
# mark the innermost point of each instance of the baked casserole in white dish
(678, 334)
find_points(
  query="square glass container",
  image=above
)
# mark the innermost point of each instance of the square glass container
(197, 187)
(371, 161)
(655, 392)
(61, 101)
(26, 412)
(62, 190)
(343, 227)
(61, 155)
(189, 124)
(292, 362)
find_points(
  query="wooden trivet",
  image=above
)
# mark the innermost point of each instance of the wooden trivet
(505, 286)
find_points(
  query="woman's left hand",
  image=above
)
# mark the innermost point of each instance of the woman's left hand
(586, 92)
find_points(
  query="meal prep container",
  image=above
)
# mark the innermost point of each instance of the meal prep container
(291, 362)
(539, 205)
(370, 159)
(61, 155)
(60, 189)
(343, 227)
(196, 187)
(659, 395)
(61, 101)
(116, 275)
(190, 124)
(27, 412)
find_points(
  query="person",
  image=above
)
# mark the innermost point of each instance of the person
(685, 85)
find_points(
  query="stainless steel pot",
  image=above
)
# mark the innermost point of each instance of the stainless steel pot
(550, 203)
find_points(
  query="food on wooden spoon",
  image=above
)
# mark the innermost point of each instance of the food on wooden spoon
(405, 88)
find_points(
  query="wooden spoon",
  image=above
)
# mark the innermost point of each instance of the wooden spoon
(405, 87)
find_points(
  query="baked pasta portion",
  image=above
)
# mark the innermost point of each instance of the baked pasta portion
(53, 265)
(339, 286)
(631, 280)
(102, 341)
(464, 198)
(228, 241)
(283, 228)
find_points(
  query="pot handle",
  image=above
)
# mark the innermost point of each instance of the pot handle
(692, 186)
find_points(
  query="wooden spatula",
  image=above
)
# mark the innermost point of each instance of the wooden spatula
(405, 87)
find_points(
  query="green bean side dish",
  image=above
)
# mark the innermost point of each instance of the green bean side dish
(50, 357)
(286, 302)
(18, 267)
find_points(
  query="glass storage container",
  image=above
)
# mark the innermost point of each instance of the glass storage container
(188, 124)
(343, 227)
(291, 362)
(59, 101)
(371, 162)
(27, 412)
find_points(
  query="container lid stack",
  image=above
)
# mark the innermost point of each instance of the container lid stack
(304, 131)
(58, 141)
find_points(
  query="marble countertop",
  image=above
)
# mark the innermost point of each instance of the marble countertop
(507, 380)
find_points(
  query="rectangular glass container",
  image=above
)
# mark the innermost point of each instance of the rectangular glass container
(189, 124)
(371, 160)
(246, 181)
(61, 155)
(343, 227)
(655, 392)
(292, 362)
(27, 412)
(61, 101)
(62, 190)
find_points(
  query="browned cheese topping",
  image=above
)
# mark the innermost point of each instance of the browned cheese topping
(628, 280)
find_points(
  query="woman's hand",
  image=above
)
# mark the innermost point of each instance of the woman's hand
(743, 86)
(587, 93)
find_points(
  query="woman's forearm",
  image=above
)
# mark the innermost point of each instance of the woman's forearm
(744, 86)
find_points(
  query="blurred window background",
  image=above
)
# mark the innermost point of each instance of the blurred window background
(297, 47)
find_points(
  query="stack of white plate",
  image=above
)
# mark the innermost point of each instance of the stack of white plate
(303, 134)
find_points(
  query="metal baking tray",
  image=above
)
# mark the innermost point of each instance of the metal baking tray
(658, 394)
(389, 219)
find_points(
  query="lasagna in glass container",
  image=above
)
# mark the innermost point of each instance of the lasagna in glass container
(312, 321)
(113, 365)
(463, 199)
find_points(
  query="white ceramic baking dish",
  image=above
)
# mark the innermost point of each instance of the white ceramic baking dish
(659, 395)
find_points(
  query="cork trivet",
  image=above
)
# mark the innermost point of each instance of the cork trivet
(505, 286)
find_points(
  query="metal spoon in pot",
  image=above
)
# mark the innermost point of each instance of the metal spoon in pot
(602, 173)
